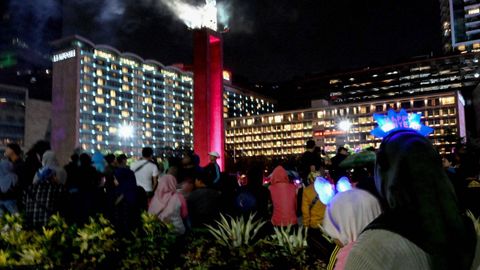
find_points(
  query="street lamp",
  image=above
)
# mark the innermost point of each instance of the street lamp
(125, 131)
(345, 125)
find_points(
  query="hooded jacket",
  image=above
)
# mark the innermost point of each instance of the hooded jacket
(284, 198)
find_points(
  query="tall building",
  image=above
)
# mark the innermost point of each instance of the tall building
(12, 115)
(460, 72)
(460, 25)
(25, 53)
(107, 100)
(238, 102)
(284, 133)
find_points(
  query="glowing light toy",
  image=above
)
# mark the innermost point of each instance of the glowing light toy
(326, 190)
(401, 120)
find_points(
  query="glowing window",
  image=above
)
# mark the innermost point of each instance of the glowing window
(100, 81)
(113, 93)
(113, 103)
(473, 11)
(125, 114)
(99, 72)
(99, 100)
(100, 91)
(447, 100)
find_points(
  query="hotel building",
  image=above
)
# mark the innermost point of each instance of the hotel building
(106, 100)
(285, 133)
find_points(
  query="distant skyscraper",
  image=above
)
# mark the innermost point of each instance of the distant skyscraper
(460, 25)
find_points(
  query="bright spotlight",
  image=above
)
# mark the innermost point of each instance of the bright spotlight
(345, 125)
(125, 131)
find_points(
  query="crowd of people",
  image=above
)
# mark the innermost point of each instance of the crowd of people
(406, 210)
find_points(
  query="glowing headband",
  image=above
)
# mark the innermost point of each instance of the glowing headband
(401, 120)
(326, 191)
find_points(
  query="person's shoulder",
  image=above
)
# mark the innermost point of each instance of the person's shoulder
(382, 249)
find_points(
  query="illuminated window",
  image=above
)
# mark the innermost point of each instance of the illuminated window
(112, 129)
(100, 110)
(125, 87)
(113, 103)
(125, 114)
(461, 48)
(113, 93)
(99, 100)
(447, 100)
(100, 81)
(100, 91)
(99, 72)
(473, 11)
(99, 138)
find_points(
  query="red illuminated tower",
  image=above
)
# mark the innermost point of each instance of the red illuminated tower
(208, 130)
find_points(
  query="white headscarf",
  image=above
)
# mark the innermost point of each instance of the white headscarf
(349, 213)
(49, 160)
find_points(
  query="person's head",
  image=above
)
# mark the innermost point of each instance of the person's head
(49, 159)
(419, 197)
(13, 151)
(147, 152)
(447, 161)
(187, 159)
(310, 145)
(85, 160)
(173, 170)
(39, 148)
(279, 175)
(110, 158)
(348, 213)
(342, 151)
(213, 156)
(74, 158)
(201, 179)
(122, 160)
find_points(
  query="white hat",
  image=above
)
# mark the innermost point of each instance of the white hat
(215, 154)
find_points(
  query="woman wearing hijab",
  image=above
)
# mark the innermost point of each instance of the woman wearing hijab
(422, 226)
(284, 198)
(346, 216)
(168, 204)
(49, 160)
(8, 181)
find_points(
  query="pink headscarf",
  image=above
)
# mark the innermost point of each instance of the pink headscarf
(163, 203)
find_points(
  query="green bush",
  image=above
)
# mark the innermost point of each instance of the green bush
(231, 244)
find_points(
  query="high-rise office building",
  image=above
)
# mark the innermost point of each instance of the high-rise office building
(460, 21)
(106, 100)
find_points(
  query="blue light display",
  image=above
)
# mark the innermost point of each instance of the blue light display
(401, 120)
(326, 190)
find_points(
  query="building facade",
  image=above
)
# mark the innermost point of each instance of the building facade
(238, 102)
(106, 100)
(285, 133)
(460, 25)
(12, 115)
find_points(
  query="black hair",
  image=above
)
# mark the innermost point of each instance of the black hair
(121, 158)
(110, 158)
(310, 144)
(147, 152)
(15, 148)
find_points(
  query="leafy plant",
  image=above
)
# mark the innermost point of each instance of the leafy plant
(292, 243)
(149, 246)
(235, 232)
(93, 243)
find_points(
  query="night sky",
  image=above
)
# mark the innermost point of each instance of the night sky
(271, 40)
